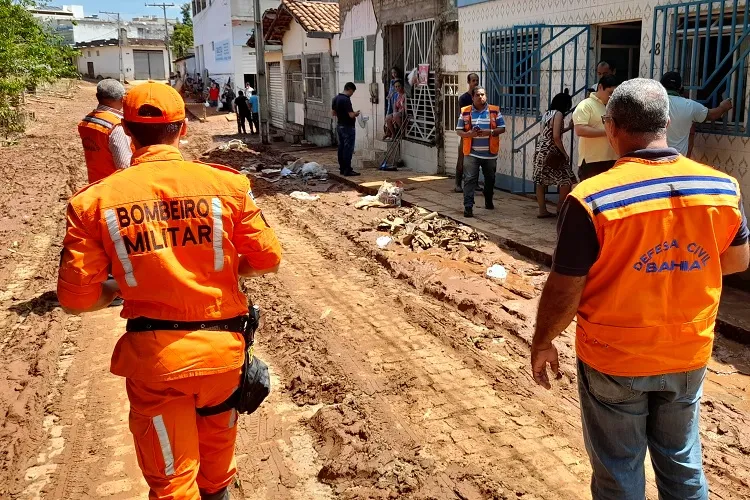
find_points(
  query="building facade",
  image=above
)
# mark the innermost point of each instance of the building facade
(378, 36)
(526, 53)
(142, 59)
(221, 31)
(302, 74)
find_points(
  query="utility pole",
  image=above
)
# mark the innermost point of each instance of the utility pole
(166, 27)
(119, 41)
(260, 63)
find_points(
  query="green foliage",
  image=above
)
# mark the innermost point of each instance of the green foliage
(30, 55)
(182, 38)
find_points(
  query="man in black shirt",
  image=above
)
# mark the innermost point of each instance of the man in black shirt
(242, 110)
(466, 99)
(341, 108)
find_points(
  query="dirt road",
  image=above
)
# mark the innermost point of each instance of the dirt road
(397, 374)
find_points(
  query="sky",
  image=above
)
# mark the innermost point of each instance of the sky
(127, 8)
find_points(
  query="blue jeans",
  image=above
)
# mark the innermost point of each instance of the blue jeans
(472, 164)
(624, 415)
(346, 148)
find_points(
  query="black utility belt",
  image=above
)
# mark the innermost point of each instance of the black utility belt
(237, 324)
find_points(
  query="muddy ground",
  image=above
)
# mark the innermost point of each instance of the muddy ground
(397, 374)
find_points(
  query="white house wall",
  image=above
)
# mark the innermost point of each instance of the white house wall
(107, 63)
(730, 154)
(213, 26)
(295, 42)
(360, 22)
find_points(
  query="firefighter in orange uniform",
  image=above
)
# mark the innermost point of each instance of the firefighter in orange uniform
(106, 146)
(176, 235)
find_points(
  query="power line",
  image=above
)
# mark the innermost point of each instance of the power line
(166, 27)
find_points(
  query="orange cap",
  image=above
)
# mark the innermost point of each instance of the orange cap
(159, 95)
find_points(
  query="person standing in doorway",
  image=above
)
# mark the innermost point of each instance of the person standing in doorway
(479, 126)
(641, 252)
(595, 155)
(242, 110)
(685, 113)
(466, 99)
(341, 108)
(603, 68)
(255, 111)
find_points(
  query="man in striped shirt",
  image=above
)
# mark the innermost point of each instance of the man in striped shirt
(480, 126)
(106, 146)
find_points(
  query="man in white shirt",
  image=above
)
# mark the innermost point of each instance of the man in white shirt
(684, 113)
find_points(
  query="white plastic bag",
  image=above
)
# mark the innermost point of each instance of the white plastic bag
(302, 195)
(497, 272)
(383, 241)
(390, 194)
(313, 169)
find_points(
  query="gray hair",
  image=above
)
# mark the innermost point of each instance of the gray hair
(110, 90)
(640, 106)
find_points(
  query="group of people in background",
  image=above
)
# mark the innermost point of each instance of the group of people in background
(552, 164)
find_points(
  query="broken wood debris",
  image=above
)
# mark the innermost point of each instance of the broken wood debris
(420, 229)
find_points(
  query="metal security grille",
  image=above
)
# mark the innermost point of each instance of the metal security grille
(523, 68)
(513, 54)
(708, 43)
(314, 80)
(295, 88)
(419, 38)
(276, 96)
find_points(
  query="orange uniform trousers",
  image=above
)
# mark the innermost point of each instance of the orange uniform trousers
(181, 454)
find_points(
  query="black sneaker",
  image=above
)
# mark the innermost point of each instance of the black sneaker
(352, 173)
(489, 205)
(468, 212)
(117, 302)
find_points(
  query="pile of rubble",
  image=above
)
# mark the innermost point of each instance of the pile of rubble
(420, 229)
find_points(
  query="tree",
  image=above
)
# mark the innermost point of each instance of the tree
(30, 54)
(182, 37)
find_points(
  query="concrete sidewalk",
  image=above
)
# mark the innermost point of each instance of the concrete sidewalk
(513, 223)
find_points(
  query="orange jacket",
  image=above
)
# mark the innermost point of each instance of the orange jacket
(650, 301)
(171, 232)
(494, 140)
(95, 129)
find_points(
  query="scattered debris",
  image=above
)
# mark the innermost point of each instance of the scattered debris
(285, 172)
(497, 271)
(301, 195)
(236, 145)
(313, 169)
(369, 202)
(383, 241)
(421, 229)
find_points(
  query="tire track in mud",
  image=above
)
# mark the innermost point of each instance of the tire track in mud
(418, 392)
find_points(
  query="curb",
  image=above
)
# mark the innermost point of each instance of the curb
(726, 329)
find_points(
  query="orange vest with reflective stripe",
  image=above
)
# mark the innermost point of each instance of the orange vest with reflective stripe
(94, 130)
(171, 232)
(650, 301)
(494, 140)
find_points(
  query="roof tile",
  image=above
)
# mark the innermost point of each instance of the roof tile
(315, 16)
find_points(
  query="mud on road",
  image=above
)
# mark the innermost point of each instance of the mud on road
(397, 374)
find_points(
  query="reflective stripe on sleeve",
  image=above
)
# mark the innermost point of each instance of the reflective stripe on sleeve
(218, 235)
(122, 253)
(166, 447)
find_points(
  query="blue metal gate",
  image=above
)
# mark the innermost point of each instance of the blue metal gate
(523, 68)
(708, 43)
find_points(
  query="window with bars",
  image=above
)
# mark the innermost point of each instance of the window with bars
(295, 92)
(512, 78)
(419, 37)
(709, 56)
(359, 60)
(314, 79)
(451, 94)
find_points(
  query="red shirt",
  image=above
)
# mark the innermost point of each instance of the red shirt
(213, 94)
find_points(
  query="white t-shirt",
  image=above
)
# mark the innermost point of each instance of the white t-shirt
(682, 114)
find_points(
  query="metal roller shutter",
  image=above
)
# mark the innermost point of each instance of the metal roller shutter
(276, 96)
(140, 64)
(156, 65)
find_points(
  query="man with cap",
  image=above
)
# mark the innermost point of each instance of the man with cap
(176, 235)
(106, 146)
(684, 113)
